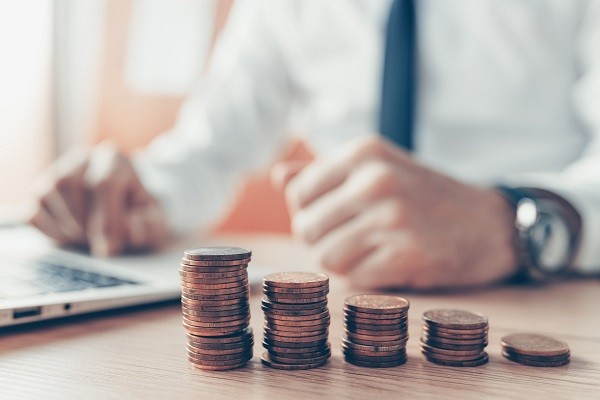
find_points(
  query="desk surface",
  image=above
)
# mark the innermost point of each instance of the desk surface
(141, 354)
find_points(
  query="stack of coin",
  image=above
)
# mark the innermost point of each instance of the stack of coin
(535, 350)
(455, 338)
(376, 330)
(296, 320)
(214, 302)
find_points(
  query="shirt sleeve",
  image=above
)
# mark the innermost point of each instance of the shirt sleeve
(231, 123)
(579, 183)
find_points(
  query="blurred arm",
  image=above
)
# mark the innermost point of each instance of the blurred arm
(232, 122)
(580, 182)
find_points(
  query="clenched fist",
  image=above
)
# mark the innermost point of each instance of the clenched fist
(97, 200)
(375, 214)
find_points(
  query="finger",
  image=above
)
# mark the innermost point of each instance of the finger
(43, 221)
(56, 206)
(156, 225)
(283, 172)
(343, 248)
(136, 230)
(386, 267)
(106, 179)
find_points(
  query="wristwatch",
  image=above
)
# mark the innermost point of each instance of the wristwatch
(548, 231)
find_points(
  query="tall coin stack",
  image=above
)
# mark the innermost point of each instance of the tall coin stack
(376, 330)
(296, 320)
(455, 338)
(214, 302)
(535, 350)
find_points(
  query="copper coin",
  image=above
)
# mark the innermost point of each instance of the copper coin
(236, 337)
(296, 325)
(283, 335)
(298, 361)
(215, 297)
(277, 290)
(356, 314)
(279, 316)
(378, 322)
(214, 314)
(360, 347)
(216, 286)
(438, 334)
(266, 360)
(217, 253)
(296, 339)
(189, 271)
(377, 304)
(204, 277)
(214, 263)
(218, 367)
(268, 304)
(296, 280)
(375, 338)
(303, 355)
(444, 357)
(372, 327)
(278, 343)
(460, 342)
(215, 320)
(219, 363)
(216, 325)
(219, 357)
(367, 353)
(305, 300)
(290, 297)
(532, 363)
(446, 346)
(474, 363)
(365, 342)
(368, 358)
(213, 352)
(322, 346)
(436, 329)
(392, 332)
(201, 305)
(213, 331)
(215, 281)
(217, 347)
(534, 344)
(561, 357)
(369, 364)
(455, 319)
(446, 352)
(214, 292)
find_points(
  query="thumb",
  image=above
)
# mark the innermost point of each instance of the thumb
(283, 172)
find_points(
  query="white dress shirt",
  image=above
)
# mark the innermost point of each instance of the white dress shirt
(508, 91)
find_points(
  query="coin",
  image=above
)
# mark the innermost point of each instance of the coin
(445, 346)
(295, 334)
(457, 353)
(214, 292)
(200, 323)
(375, 328)
(200, 305)
(458, 336)
(401, 341)
(219, 357)
(360, 347)
(296, 339)
(356, 314)
(219, 363)
(473, 363)
(217, 253)
(270, 342)
(217, 347)
(266, 360)
(304, 354)
(299, 361)
(214, 314)
(300, 300)
(443, 357)
(276, 316)
(216, 320)
(296, 326)
(367, 353)
(368, 364)
(295, 296)
(296, 280)
(295, 290)
(214, 263)
(439, 330)
(266, 303)
(218, 367)
(378, 322)
(377, 304)
(236, 337)
(204, 277)
(534, 344)
(541, 363)
(190, 271)
(561, 357)
(221, 331)
(458, 342)
(215, 286)
(455, 319)
(374, 338)
(321, 346)
(215, 297)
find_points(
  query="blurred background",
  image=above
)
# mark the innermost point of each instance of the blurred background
(74, 73)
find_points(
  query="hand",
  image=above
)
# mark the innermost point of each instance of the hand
(97, 200)
(374, 213)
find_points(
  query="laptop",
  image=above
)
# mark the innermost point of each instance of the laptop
(39, 281)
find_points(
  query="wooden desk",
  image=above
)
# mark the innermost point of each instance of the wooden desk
(141, 354)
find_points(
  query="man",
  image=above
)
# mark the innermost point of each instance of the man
(503, 93)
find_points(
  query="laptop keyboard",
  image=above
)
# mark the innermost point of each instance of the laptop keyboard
(43, 276)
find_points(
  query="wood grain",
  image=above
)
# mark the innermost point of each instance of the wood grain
(141, 354)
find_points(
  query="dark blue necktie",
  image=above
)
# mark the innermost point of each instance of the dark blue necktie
(397, 96)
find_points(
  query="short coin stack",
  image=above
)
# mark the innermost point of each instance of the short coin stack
(376, 330)
(535, 350)
(455, 338)
(214, 302)
(296, 320)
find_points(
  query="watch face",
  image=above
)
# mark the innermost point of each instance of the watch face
(550, 239)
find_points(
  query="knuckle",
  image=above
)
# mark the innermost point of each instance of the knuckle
(381, 181)
(394, 213)
(301, 227)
